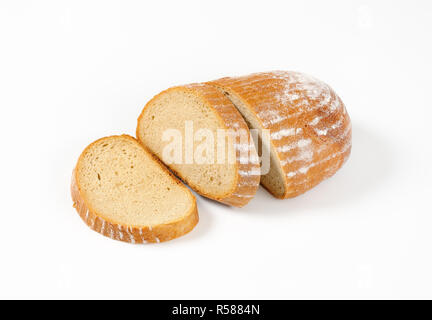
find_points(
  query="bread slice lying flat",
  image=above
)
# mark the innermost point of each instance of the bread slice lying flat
(203, 107)
(121, 191)
(310, 128)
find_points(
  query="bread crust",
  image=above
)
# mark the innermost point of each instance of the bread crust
(128, 233)
(309, 125)
(248, 174)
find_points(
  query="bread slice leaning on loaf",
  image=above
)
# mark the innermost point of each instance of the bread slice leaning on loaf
(202, 113)
(121, 191)
(310, 130)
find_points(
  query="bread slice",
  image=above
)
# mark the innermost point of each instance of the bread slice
(310, 127)
(121, 191)
(231, 177)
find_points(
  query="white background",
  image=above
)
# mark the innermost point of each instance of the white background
(75, 71)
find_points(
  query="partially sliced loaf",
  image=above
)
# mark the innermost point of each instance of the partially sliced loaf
(121, 191)
(189, 110)
(310, 128)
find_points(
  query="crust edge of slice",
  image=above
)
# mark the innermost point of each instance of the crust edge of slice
(231, 93)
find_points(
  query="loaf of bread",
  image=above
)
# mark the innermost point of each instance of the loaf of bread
(309, 126)
(202, 109)
(121, 191)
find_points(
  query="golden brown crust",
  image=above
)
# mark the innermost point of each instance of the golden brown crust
(310, 128)
(128, 233)
(248, 173)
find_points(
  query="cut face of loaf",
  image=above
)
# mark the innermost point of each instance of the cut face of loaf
(310, 130)
(120, 190)
(198, 133)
